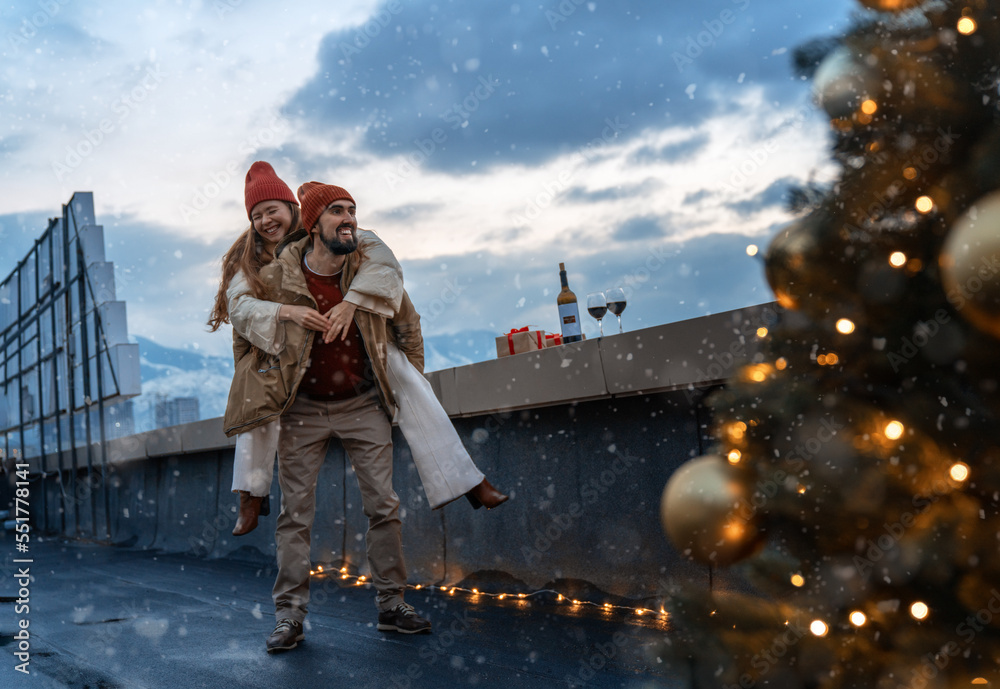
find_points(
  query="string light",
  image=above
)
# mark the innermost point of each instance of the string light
(362, 580)
(752, 250)
(762, 332)
(869, 107)
(959, 471)
(858, 618)
(966, 26)
(845, 326)
(818, 628)
(798, 580)
(897, 259)
(919, 610)
(924, 204)
(893, 430)
(734, 456)
(781, 364)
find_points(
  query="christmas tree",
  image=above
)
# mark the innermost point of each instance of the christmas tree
(855, 475)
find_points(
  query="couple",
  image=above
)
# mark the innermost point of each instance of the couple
(328, 345)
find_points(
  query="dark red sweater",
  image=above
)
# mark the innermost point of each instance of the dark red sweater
(340, 369)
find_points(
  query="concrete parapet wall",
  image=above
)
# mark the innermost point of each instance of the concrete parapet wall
(583, 437)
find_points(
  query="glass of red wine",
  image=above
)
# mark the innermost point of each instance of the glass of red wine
(616, 303)
(597, 306)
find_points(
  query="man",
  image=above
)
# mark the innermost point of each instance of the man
(337, 389)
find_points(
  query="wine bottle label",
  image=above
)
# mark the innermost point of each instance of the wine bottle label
(569, 316)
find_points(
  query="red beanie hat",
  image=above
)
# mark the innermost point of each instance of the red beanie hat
(315, 197)
(264, 185)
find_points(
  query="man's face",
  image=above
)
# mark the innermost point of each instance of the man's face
(338, 227)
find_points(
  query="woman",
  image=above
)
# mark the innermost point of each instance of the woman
(445, 468)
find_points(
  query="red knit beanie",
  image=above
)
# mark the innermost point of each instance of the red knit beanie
(315, 197)
(264, 185)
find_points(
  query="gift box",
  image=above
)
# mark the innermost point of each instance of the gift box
(519, 341)
(553, 339)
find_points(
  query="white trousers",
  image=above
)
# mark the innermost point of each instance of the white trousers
(446, 470)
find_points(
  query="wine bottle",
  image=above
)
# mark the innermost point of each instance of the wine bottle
(569, 312)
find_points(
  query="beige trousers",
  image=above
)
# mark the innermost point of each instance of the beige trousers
(363, 429)
(445, 468)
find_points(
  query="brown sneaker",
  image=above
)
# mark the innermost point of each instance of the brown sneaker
(286, 635)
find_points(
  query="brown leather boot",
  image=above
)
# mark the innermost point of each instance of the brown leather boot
(249, 511)
(485, 494)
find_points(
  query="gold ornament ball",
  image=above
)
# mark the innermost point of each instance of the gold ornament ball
(970, 265)
(705, 512)
(891, 5)
(842, 81)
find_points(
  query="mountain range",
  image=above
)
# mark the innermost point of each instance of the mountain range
(169, 373)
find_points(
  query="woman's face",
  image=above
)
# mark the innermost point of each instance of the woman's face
(272, 220)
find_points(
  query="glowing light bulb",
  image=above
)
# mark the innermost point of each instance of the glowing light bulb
(893, 430)
(781, 364)
(924, 204)
(475, 591)
(319, 568)
(858, 618)
(845, 326)
(832, 359)
(638, 611)
(959, 471)
(966, 26)
(752, 250)
(910, 173)
(762, 332)
(869, 107)
(919, 610)
(734, 456)
(798, 580)
(897, 259)
(818, 628)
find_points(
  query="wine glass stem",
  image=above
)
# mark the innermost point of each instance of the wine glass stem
(620, 331)
(600, 324)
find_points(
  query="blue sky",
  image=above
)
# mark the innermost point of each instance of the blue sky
(644, 144)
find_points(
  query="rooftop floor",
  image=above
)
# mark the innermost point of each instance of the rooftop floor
(107, 617)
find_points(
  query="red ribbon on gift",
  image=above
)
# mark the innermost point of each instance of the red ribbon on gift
(555, 337)
(510, 337)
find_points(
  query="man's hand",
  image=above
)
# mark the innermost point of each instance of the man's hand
(304, 316)
(340, 316)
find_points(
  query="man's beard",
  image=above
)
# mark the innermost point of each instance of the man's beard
(339, 247)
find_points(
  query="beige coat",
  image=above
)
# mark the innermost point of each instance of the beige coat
(263, 389)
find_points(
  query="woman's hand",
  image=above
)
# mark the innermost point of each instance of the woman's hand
(304, 316)
(340, 316)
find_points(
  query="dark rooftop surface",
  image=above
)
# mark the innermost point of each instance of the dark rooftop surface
(108, 617)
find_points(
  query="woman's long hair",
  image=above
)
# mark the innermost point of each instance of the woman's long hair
(247, 254)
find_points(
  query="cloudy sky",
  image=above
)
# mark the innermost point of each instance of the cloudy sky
(643, 143)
